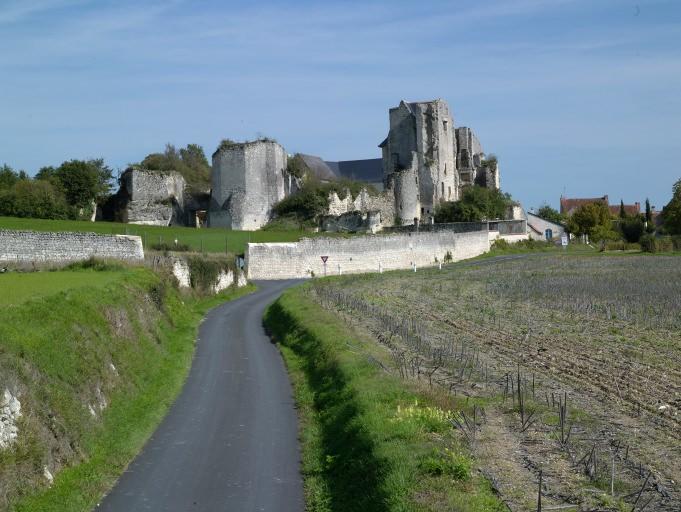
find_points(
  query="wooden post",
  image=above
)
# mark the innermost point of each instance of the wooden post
(539, 493)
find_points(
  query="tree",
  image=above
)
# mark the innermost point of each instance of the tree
(34, 198)
(649, 212)
(588, 217)
(83, 181)
(632, 228)
(190, 162)
(476, 204)
(623, 212)
(7, 177)
(550, 214)
(671, 213)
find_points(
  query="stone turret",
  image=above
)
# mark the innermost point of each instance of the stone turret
(248, 179)
(420, 147)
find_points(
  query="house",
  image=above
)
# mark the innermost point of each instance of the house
(542, 229)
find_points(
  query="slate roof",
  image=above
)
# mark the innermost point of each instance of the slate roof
(319, 168)
(369, 170)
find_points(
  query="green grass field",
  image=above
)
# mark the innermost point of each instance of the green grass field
(20, 287)
(216, 240)
(96, 358)
(370, 441)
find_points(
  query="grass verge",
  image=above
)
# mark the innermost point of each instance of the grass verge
(369, 441)
(95, 375)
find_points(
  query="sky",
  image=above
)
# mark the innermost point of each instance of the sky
(575, 97)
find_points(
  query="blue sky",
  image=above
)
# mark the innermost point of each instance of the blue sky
(581, 96)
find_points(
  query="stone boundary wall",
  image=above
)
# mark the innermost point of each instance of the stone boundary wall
(360, 254)
(63, 247)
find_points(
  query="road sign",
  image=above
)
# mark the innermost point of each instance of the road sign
(324, 258)
(564, 240)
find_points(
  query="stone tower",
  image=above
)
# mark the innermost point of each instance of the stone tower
(248, 179)
(419, 159)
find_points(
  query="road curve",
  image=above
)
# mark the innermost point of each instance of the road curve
(229, 442)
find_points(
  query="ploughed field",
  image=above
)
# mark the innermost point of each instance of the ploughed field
(570, 367)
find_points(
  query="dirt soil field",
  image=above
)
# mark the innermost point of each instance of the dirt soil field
(567, 369)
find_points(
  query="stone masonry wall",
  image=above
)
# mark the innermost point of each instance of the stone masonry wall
(51, 247)
(360, 254)
(248, 179)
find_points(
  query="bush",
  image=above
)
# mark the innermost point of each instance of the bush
(456, 466)
(95, 264)
(632, 229)
(204, 272)
(166, 247)
(312, 200)
(622, 246)
(476, 203)
(650, 243)
(35, 199)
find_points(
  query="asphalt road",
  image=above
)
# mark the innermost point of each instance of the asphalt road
(229, 442)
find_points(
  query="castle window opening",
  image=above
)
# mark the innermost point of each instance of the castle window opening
(443, 188)
(444, 124)
(423, 211)
(449, 192)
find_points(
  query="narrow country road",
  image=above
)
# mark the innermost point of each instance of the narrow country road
(229, 442)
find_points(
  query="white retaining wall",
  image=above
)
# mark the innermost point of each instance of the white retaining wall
(360, 254)
(58, 247)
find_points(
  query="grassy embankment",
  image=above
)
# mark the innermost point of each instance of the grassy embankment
(205, 240)
(370, 441)
(95, 358)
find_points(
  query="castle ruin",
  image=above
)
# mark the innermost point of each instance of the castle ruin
(426, 160)
(248, 179)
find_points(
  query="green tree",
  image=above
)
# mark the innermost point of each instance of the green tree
(190, 162)
(671, 213)
(83, 181)
(632, 228)
(649, 212)
(623, 212)
(476, 204)
(7, 177)
(34, 198)
(588, 217)
(550, 214)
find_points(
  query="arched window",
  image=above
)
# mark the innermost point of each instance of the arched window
(548, 234)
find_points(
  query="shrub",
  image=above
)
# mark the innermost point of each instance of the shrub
(313, 199)
(204, 272)
(622, 246)
(34, 199)
(650, 243)
(166, 247)
(476, 203)
(96, 264)
(500, 245)
(632, 228)
(449, 463)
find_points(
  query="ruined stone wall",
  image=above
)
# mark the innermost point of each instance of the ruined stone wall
(422, 137)
(51, 247)
(155, 198)
(365, 203)
(248, 180)
(360, 254)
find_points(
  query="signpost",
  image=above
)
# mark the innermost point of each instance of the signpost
(564, 241)
(324, 259)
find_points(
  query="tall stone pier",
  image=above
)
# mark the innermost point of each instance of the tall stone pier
(248, 179)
